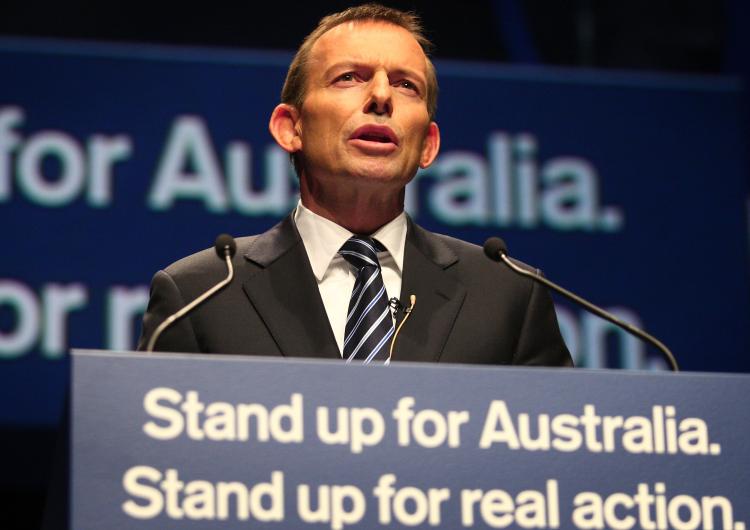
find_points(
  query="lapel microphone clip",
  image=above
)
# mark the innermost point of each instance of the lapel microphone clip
(396, 305)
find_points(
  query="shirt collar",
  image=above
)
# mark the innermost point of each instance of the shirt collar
(323, 238)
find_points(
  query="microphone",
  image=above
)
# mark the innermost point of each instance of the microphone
(496, 250)
(225, 248)
(396, 305)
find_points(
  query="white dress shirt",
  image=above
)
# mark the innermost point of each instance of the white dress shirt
(335, 276)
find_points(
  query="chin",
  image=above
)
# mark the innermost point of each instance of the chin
(380, 172)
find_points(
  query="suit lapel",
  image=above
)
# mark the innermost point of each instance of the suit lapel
(285, 294)
(439, 297)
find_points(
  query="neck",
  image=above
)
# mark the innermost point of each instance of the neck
(358, 211)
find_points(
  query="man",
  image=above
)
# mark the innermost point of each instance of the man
(357, 116)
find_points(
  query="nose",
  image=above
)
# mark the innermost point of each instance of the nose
(380, 100)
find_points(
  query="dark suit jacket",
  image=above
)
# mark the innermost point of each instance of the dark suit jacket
(468, 309)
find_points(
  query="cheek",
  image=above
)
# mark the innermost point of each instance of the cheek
(313, 133)
(325, 127)
(416, 144)
(418, 123)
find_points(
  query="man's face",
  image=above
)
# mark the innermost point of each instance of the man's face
(364, 120)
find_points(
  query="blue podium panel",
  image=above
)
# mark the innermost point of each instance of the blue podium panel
(187, 441)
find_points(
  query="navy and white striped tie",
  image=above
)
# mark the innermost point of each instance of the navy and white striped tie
(369, 326)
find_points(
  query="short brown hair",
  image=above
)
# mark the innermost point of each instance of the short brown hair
(293, 92)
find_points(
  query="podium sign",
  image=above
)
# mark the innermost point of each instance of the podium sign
(192, 441)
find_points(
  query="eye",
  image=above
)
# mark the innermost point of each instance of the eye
(408, 86)
(345, 79)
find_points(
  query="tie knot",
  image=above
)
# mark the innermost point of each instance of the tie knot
(361, 251)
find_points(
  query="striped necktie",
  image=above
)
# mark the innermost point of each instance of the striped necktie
(369, 326)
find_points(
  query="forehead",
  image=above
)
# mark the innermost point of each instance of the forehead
(369, 42)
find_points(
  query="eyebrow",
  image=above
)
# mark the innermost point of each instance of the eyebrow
(354, 65)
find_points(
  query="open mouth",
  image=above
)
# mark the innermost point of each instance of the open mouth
(374, 138)
(375, 133)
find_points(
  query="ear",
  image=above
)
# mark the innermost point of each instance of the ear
(430, 146)
(283, 126)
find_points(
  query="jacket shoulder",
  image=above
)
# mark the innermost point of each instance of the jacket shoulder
(206, 263)
(474, 254)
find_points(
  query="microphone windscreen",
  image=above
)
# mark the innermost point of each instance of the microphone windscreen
(493, 247)
(223, 242)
